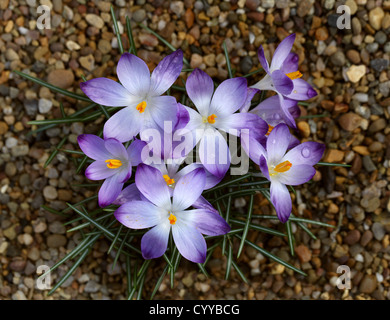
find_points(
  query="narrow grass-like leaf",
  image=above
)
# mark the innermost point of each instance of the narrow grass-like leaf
(240, 273)
(116, 28)
(229, 67)
(159, 281)
(53, 88)
(252, 73)
(55, 152)
(290, 237)
(62, 110)
(273, 257)
(334, 164)
(294, 219)
(81, 165)
(302, 103)
(120, 249)
(258, 228)
(229, 261)
(202, 268)
(133, 49)
(312, 116)
(246, 227)
(227, 183)
(51, 210)
(140, 274)
(128, 274)
(115, 239)
(179, 88)
(140, 288)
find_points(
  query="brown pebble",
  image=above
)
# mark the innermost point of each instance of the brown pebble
(303, 253)
(352, 237)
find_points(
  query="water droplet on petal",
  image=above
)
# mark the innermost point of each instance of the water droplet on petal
(305, 152)
(276, 116)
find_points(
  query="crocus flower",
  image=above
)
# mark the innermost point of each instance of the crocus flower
(283, 75)
(216, 111)
(292, 168)
(112, 163)
(139, 92)
(164, 214)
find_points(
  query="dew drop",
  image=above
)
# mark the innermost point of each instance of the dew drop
(305, 152)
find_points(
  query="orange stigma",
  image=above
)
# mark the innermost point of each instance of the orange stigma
(113, 163)
(141, 106)
(168, 180)
(172, 219)
(269, 130)
(294, 75)
(211, 119)
(283, 166)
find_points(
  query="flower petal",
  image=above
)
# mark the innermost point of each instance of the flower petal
(116, 148)
(98, 170)
(282, 51)
(228, 97)
(183, 117)
(163, 109)
(166, 73)
(290, 64)
(281, 200)
(207, 222)
(264, 167)
(250, 93)
(214, 153)
(262, 59)
(237, 122)
(252, 147)
(109, 191)
(189, 242)
(124, 172)
(107, 92)
(154, 242)
(153, 186)
(298, 174)
(135, 151)
(130, 193)
(93, 147)
(134, 74)
(277, 143)
(283, 84)
(123, 125)
(202, 203)
(200, 89)
(188, 188)
(139, 214)
(301, 90)
(308, 152)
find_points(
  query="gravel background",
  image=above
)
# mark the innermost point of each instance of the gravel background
(349, 68)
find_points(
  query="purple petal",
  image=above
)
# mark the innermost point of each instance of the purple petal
(134, 74)
(277, 143)
(308, 153)
(252, 147)
(135, 151)
(228, 97)
(236, 122)
(283, 84)
(287, 116)
(301, 90)
(116, 148)
(290, 64)
(200, 89)
(188, 188)
(107, 92)
(153, 186)
(262, 59)
(163, 109)
(207, 222)
(202, 203)
(109, 191)
(166, 72)
(130, 193)
(189, 242)
(154, 242)
(281, 200)
(264, 167)
(183, 117)
(123, 125)
(294, 141)
(250, 93)
(214, 153)
(282, 51)
(93, 147)
(124, 172)
(298, 174)
(139, 214)
(211, 180)
(98, 170)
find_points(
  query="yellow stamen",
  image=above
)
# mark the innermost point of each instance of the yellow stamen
(281, 167)
(113, 163)
(172, 219)
(168, 180)
(269, 130)
(141, 106)
(211, 119)
(294, 75)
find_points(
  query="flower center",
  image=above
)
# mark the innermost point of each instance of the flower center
(141, 106)
(269, 130)
(209, 119)
(172, 219)
(113, 163)
(281, 167)
(294, 75)
(168, 180)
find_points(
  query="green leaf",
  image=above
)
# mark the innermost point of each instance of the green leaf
(259, 228)
(55, 152)
(246, 227)
(118, 36)
(290, 237)
(133, 49)
(159, 281)
(240, 273)
(334, 164)
(253, 72)
(120, 249)
(140, 275)
(202, 268)
(128, 274)
(229, 67)
(115, 239)
(229, 261)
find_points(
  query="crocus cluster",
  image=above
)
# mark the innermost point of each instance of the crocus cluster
(156, 135)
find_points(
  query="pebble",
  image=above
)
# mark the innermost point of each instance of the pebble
(375, 17)
(92, 287)
(56, 241)
(303, 253)
(352, 237)
(246, 64)
(61, 78)
(350, 121)
(94, 20)
(44, 105)
(338, 58)
(379, 64)
(139, 15)
(368, 164)
(378, 230)
(368, 284)
(57, 227)
(87, 62)
(355, 73)
(50, 193)
(104, 46)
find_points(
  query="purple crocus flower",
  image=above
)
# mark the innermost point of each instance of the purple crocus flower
(216, 111)
(141, 94)
(112, 163)
(164, 214)
(292, 168)
(283, 76)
